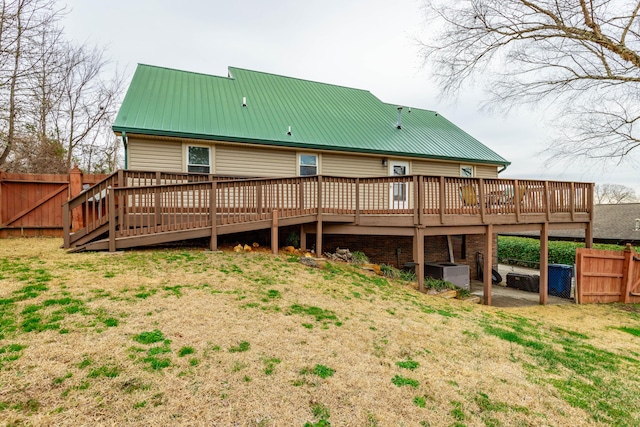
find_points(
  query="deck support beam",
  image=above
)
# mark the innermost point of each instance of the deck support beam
(544, 264)
(588, 236)
(488, 264)
(418, 256)
(303, 238)
(274, 232)
(319, 237)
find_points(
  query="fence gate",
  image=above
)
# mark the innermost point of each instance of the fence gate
(31, 204)
(608, 276)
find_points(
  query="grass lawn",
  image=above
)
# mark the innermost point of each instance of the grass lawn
(188, 337)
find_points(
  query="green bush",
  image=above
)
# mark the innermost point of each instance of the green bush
(526, 252)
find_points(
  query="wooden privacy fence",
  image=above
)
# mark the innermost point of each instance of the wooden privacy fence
(607, 276)
(31, 204)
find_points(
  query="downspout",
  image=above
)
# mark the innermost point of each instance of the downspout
(126, 150)
(504, 168)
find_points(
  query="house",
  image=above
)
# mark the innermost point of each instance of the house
(208, 156)
(617, 224)
(259, 124)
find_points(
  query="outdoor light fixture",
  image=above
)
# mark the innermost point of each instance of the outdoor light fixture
(637, 224)
(385, 162)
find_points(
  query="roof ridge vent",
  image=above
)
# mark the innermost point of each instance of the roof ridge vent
(399, 124)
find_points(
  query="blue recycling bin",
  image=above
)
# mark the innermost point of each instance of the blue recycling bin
(560, 280)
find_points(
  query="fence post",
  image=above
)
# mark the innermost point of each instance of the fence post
(627, 273)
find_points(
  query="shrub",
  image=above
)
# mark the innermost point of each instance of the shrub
(526, 252)
(359, 258)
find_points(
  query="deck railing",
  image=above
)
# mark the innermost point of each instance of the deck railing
(137, 203)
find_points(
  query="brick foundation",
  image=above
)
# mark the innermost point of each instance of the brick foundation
(379, 249)
(383, 249)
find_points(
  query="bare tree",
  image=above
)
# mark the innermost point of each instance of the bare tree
(21, 22)
(56, 100)
(581, 56)
(88, 104)
(614, 194)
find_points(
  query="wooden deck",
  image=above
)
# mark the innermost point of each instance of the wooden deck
(131, 209)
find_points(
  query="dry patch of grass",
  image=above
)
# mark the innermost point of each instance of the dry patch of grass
(188, 337)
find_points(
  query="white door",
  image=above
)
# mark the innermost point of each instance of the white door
(398, 193)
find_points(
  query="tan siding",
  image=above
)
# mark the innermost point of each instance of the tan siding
(354, 166)
(422, 167)
(155, 155)
(486, 171)
(258, 162)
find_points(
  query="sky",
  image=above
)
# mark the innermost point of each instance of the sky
(364, 44)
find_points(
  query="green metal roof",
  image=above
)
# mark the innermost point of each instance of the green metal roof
(162, 101)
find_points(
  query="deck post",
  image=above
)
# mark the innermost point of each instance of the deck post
(517, 200)
(75, 187)
(443, 199)
(157, 201)
(416, 201)
(213, 214)
(357, 201)
(547, 201)
(588, 233)
(303, 238)
(274, 232)
(66, 225)
(421, 199)
(319, 220)
(483, 200)
(588, 236)
(418, 256)
(488, 264)
(572, 201)
(544, 264)
(112, 219)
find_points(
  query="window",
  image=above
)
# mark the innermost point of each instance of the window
(308, 164)
(198, 160)
(466, 171)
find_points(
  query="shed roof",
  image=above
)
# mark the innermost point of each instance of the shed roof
(168, 102)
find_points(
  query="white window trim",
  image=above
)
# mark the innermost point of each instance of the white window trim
(306, 153)
(185, 163)
(473, 171)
